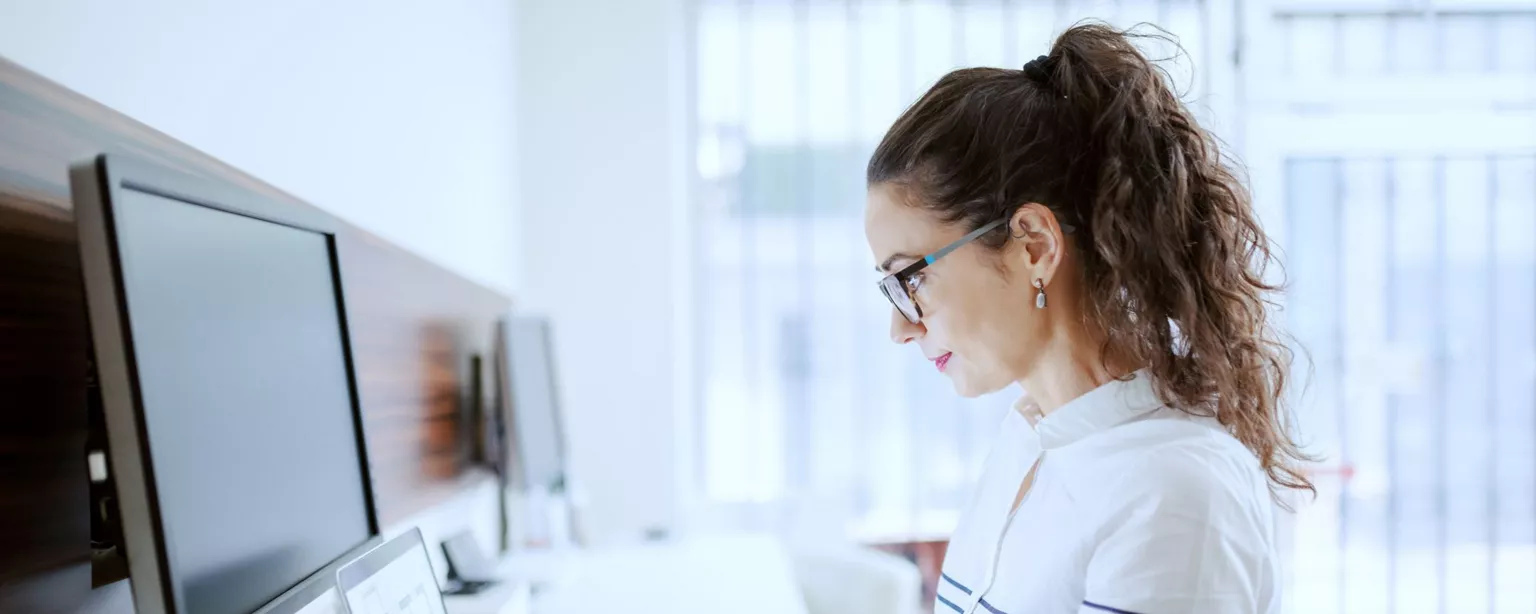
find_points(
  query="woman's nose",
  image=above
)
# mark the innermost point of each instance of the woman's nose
(903, 331)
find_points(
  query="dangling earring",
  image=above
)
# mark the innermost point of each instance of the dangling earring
(1040, 297)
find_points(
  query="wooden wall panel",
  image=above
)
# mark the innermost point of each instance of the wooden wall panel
(414, 327)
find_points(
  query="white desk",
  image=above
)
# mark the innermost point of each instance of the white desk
(741, 575)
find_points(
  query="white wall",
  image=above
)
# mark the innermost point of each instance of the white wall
(603, 114)
(397, 115)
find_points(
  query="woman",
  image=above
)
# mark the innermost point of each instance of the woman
(1070, 228)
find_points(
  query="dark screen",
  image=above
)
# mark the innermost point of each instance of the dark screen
(238, 343)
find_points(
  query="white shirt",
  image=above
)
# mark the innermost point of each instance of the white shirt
(1136, 507)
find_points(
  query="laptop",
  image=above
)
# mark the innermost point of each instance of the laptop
(469, 571)
(395, 578)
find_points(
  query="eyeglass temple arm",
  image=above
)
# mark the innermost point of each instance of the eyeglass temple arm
(971, 236)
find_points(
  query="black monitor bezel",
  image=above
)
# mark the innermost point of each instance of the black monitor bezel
(96, 186)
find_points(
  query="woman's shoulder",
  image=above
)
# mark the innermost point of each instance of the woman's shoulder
(1174, 438)
(1174, 460)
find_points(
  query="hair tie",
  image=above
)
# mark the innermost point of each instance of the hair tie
(1039, 70)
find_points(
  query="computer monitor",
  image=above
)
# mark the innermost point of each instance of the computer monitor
(395, 578)
(530, 404)
(227, 386)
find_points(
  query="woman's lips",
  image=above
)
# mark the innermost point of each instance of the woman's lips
(942, 360)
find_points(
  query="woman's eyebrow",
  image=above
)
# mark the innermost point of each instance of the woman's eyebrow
(885, 267)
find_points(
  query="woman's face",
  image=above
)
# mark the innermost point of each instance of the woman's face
(979, 324)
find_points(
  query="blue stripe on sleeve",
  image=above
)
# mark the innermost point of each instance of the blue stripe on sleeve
(957, 584)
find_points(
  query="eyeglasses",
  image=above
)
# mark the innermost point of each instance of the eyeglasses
(895, 286)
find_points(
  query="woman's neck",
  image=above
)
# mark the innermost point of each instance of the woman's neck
(1071, 371)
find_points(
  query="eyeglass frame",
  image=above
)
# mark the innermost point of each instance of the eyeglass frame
(902, 277)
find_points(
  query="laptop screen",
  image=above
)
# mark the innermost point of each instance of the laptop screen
(397, 578)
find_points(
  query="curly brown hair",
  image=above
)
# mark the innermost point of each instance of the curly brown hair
(1173, 256)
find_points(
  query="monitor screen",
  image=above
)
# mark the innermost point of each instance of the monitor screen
(247, 408)
(535, 404)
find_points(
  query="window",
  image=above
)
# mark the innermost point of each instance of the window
(1396, 153)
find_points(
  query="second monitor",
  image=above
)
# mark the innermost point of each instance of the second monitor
(528, 395)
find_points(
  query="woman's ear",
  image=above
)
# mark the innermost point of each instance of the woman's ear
(1037, 233)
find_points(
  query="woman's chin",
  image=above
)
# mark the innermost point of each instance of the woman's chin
(964, 387)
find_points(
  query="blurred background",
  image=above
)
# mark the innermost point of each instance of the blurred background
(1390, 149)
(678, 185)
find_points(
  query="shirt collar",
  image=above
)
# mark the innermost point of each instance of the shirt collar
(1109, 405)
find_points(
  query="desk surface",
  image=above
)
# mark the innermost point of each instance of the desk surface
(743, 575)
